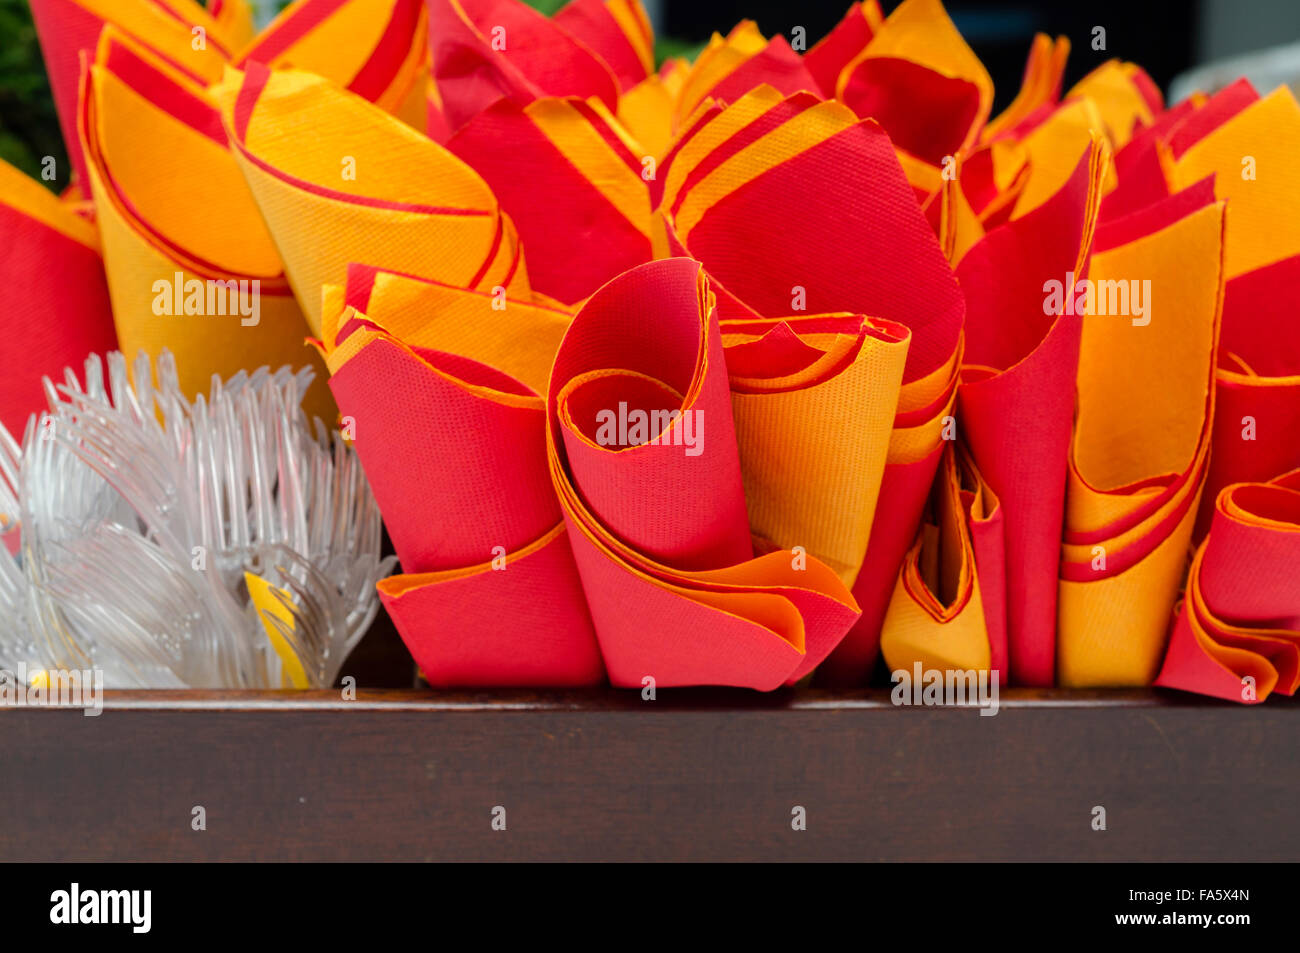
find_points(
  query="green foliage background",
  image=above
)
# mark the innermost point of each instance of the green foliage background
(29, 126)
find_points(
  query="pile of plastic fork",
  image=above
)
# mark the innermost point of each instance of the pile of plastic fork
(225, 542)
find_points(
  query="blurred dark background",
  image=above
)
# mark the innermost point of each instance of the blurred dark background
(1167, 38)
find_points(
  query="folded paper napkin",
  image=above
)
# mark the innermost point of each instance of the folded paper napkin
(58, 310)
(739, 370)
(190, 264)
(658, 525)
(454, 445)
(1236, 631)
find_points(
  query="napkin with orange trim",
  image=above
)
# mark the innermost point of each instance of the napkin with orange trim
(182, 32)
(1016, 400)
(798, 434)
(1015, 412)
(948, 608)
(859, 244)
(1238, 631)
(570, 178)
(813, 398)
(1139, 452)
(376, 49)
(644, 457)
(454, 448)
(190, 265)
(57, 310)
(338, 180)
(1239, 138)
(486, 50)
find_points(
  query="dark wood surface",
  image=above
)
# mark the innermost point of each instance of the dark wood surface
(694, 775)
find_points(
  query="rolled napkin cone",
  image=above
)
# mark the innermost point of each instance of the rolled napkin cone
(338, 180)
(1237, 635)
(473, 395)
(58, 310)
(984, 522)
(814, 399)
(1017, 395)
(915, 448)
(643, 456)
(191, 266)
(860, 245)
(376, 49)
(735, 162)
(1257, 382)
(841, 46)
(1257, 385)
(486, 50)
(1250, 135)
(180, 31)
(947, 608)
(921, 82)
(1229, 137)
(449, 425)
(1139, 455)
